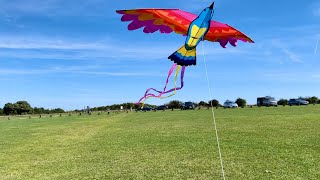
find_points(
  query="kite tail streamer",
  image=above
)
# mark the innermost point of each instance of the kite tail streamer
(149, 95)
(173, 89)
(164, 92)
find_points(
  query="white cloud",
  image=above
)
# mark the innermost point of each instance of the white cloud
(41, 47)
(116, 73)
(72, 70)
(290, 54)
(296, 76)
(60, 48)
(10, 42)
(33, 47)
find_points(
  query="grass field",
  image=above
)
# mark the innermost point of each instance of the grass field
(257, 143)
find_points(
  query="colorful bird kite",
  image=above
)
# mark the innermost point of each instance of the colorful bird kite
(195, 28)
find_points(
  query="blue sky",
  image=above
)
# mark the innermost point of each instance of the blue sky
(70, 54)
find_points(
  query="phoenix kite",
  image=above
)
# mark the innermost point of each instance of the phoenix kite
(195, 28)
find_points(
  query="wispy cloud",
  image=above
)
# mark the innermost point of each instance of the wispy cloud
(297, 76)
(290, 54)
(72, 70)
(20, 72)
(117, 73)
(10, 19)
(61, 48)
(7, 17)
(30, 47)
(281, 76)
(27, 42)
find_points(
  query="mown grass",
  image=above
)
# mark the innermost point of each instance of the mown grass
(257, 143)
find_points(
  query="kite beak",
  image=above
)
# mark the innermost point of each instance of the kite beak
(211, 7)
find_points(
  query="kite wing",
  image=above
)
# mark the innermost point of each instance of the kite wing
(163, 20)
(224, 34)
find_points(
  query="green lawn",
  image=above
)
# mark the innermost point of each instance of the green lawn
(257, 143)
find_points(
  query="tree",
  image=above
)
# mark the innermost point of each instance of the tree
(283, 102)
(202, 103)
(128, 105)
(312, 100)
(36, 110)
(57, 110)
(40, 110)
(241, 102)
(214, 103)
(22, 107)
(1, 112)
(174, 104)
(9, 109)
(102, 108)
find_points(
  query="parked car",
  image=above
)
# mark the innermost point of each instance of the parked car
(146, 108)
(297, 102)
(266, 101)
(230, 104)
(188, 105)
(159, 108)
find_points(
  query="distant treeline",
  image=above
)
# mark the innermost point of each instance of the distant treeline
(23, 107)
(117, 107)
(176, 104)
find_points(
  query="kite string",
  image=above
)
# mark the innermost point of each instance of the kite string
(213, 115)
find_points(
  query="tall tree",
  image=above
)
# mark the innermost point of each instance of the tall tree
(22, 107)
(202, 103)
(9, 109)
(214, 103)
(283, 102)
(313, 100)
(241, 102)
(174, 104)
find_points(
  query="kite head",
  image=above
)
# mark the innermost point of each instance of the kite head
(207, 13)
(211, 6)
